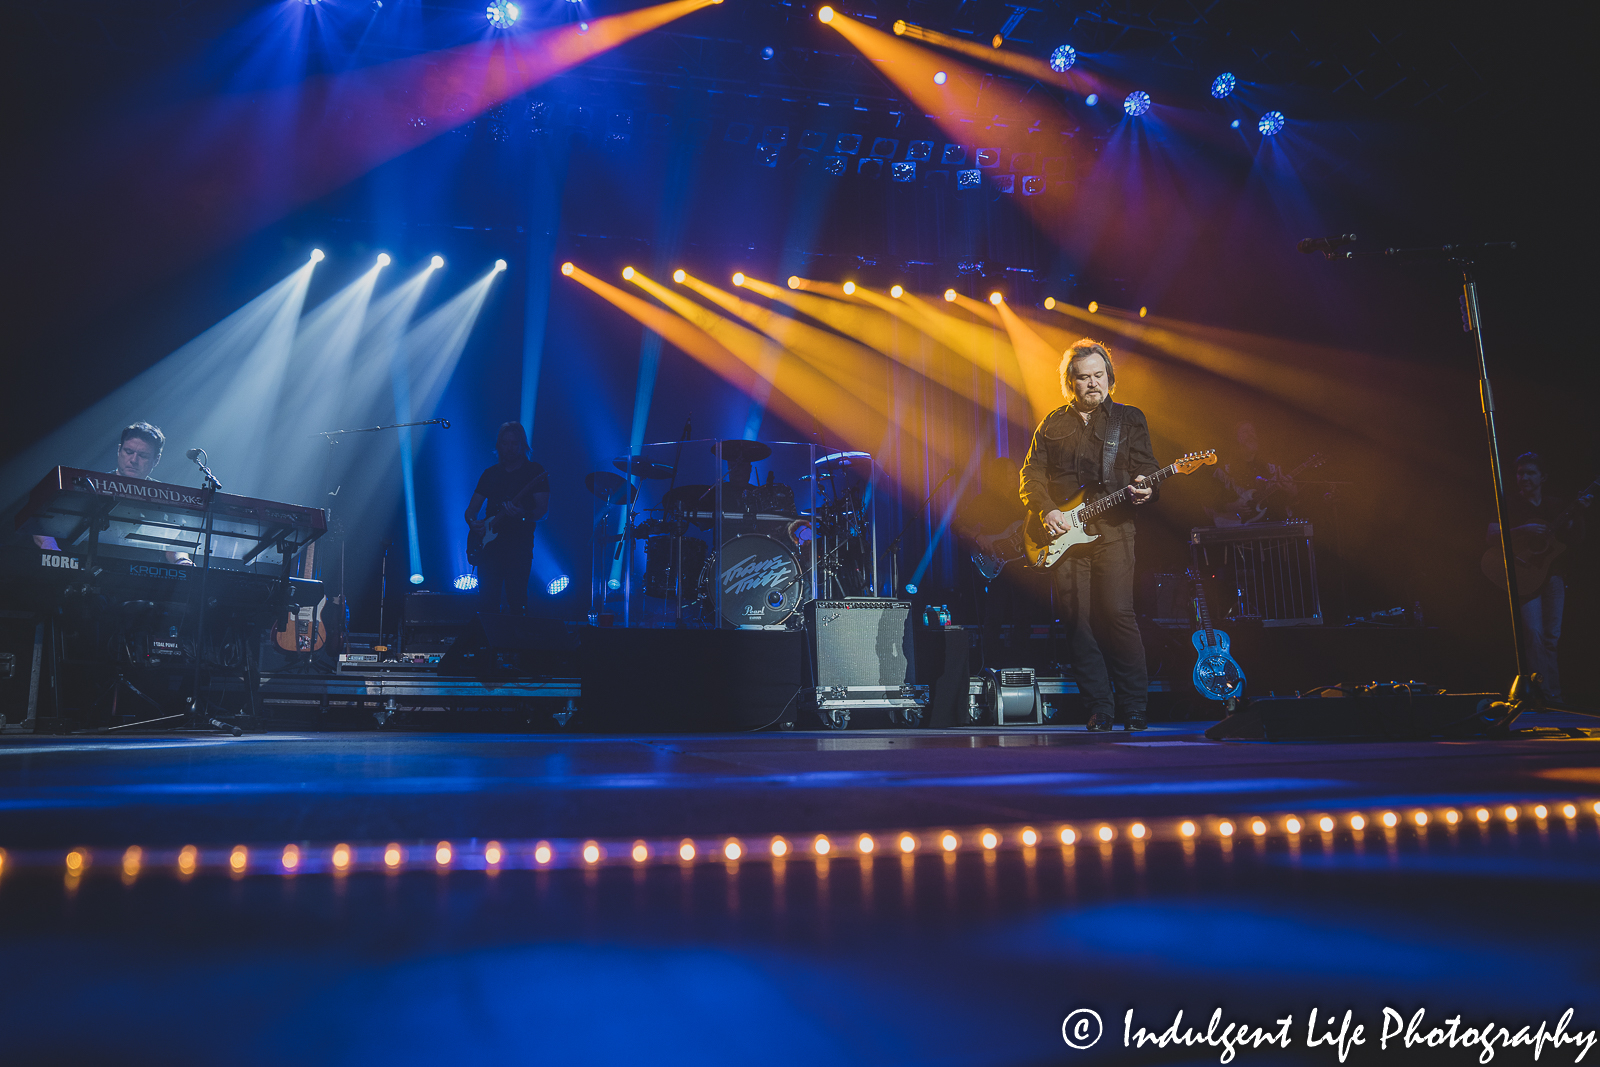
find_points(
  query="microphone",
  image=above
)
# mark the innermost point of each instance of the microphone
(194, 454)
(1325, 244)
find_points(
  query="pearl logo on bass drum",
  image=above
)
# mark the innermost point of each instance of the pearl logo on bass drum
(59, 562)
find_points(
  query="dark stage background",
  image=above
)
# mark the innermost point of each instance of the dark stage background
(130, 240)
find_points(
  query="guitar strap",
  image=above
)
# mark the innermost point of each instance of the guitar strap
(1113, 438)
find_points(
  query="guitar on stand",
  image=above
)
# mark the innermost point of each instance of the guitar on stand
(1045, 551)
(305, 628)
(1217, 675)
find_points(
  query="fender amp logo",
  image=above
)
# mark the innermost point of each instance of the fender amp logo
(65, 563)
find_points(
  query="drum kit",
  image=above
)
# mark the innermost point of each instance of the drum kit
(756, 560)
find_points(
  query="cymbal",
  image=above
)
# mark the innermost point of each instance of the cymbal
(745, 451)
(611, 488)
(858, 461)
(641, 467)
(683, 496)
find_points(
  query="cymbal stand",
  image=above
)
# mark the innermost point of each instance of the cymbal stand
(199, 717)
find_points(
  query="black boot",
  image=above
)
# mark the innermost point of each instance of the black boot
(1100, 720)
(1137, 721)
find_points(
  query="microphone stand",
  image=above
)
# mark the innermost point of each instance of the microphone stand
(1524, 693)
(894, 546)
(197, 717)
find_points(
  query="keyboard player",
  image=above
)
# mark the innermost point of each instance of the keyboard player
(139, 449)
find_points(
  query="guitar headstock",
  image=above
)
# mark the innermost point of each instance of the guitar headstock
(1194, 461)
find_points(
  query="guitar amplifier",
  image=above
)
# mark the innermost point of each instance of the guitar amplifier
(863, 656)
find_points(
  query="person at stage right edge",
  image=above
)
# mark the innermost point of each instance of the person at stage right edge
(516, 491)
(1094, 583)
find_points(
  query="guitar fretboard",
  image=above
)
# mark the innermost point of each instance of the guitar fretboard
(1123, 495)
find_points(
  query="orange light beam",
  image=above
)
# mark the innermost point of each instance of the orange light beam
(844, 415)
(986, 312)
(1039, 363)
(853, 366)
(1075, 79)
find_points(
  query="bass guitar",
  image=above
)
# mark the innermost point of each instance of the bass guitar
(995, 551)
(1532, 552)
(1045, 551)
(1217, 675)
(496, 525)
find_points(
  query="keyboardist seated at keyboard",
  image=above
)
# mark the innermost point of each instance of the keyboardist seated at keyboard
(138, 451)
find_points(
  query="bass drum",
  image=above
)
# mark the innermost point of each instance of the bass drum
(760, 578)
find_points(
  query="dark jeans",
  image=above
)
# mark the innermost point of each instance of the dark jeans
(1095, 594)
(503, 576)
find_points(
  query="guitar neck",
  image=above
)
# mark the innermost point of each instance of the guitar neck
(1205, 614)
(1123, 495)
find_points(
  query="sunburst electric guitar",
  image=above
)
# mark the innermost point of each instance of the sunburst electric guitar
(1047, 551)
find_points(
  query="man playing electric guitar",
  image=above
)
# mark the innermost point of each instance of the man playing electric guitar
(517, 492)
(1092, 447)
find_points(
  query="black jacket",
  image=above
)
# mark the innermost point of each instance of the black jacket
(1064, 462)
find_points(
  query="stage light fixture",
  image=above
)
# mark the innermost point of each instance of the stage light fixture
(940, 77)
(1062, 59)
(627, 274)
(899, 27)
(1136, 103)
(383, 259)
(738, 279)
(849, 288)
(678, 275)
(970, 178)
(558, 585)
(567, 269)
(779, 847)
(866, 844)
(1138, 831)
(950, 842)
(794, 281)
(416, 579)
(583, 28)
(1068, 835)
(641, 852)
(995, 298)
(1005, 183)
(731, 849)
(911, 589)
(466, 582)
(987, 158)
(1187, 829)
(953, 155)
(897, 292)
(1091, 100)
(768, 52)
(503, 14)
(438, 261)
(686, 850)
(542, 853)
(1143, 312)
(848, 144)
(1234, 125)
(1105, 833)
(1358, 822)
(493, 853)
(1222, 85)
(499, 265)
(1049, 303)
(443, 853)
(1030, 837)
(919, 151)
(1511, 814)
(989, 839)
(908, 843)
(950, 296)
(834, 166)
(317, 255)
(1033, 185)
(1326, 825)
(1271, 123)
(825, 15)
(1225, 828)
(1094, 305)
(614, 584)
(591, 852)
(903, 172)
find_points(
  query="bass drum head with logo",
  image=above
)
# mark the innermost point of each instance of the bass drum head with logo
(760, 579)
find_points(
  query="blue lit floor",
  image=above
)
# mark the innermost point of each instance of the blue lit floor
(972, 956)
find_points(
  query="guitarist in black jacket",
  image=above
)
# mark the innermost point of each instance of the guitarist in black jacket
(517, 493)
(1094, 584)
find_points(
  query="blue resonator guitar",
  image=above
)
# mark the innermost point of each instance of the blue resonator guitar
(1217, 675)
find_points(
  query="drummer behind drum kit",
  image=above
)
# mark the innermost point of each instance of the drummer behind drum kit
(764, 562)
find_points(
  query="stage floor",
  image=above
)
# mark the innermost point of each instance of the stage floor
(971, 955)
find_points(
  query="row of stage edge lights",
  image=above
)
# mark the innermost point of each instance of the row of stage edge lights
(1062, 59)
(996, 298)
(436, 263)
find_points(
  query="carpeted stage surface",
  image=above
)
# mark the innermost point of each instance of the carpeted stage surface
(970, 956)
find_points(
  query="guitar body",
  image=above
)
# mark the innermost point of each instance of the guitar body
(304, 630)
(1217, 675)
(1531, 555)
(474, 545)
(1002, 548)
(1045, 551)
